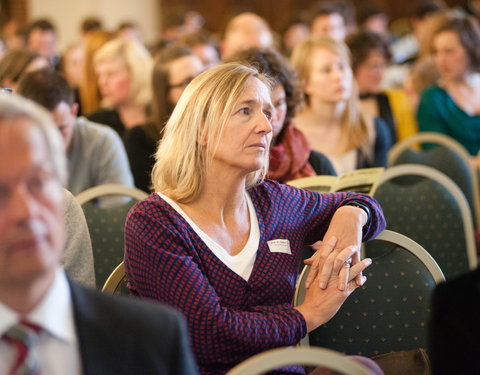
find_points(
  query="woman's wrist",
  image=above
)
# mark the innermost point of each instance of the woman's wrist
(363, 207)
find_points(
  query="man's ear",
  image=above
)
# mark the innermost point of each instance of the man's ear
(74, 109)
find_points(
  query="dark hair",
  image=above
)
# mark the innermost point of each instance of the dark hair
(468, 30)
(427, 8)
(161, 106)
(91, 24)
(326, 9)
(272, 64)
(362, 43)
(126, 25)
(41, 24)
(367, 11)
(47, 88)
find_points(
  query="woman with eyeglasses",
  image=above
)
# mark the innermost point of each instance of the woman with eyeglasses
(174, 67)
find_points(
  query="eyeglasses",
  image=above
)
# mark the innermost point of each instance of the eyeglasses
(182, 84)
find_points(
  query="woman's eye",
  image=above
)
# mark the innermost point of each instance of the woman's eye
(268, 115)
(245, 111)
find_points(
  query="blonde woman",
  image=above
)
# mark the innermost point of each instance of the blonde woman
(123, 68)
(331, 117)
(222, 245)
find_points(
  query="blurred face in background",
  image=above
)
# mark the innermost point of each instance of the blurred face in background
(330, 79)
(43, 42)
(181, 72)
(279, 101)
(332, 25)
(207, 54)
(114, 81)
(369, 73)
(450, 57)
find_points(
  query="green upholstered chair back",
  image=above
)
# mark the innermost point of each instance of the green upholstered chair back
(106, 219)
(446, 155)
(390, 312)
(428, 207)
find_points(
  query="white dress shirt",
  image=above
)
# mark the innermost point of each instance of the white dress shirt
(57, 351)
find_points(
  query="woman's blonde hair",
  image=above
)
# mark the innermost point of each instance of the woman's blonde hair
(139, 63)
(355, 126)
(194, 131)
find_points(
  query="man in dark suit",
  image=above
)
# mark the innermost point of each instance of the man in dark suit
(48, 323)
(455, 326)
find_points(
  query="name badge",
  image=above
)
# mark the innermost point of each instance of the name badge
(279, 246)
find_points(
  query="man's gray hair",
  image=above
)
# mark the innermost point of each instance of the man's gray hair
(14, 106)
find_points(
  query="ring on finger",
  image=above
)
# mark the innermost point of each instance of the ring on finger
(348, 262)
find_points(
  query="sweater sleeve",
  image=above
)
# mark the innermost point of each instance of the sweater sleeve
(162, 264)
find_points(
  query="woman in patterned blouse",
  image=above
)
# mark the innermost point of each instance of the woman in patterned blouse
(222, 244)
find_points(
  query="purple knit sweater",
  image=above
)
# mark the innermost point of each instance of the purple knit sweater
(231, 319)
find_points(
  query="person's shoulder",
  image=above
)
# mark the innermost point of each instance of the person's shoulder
(126, 311)
(433, 92)
(468, 280)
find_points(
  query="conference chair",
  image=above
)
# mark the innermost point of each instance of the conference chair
(106, 208)
(275, 358)
(448, 156)
(425, 205)
(390, 311)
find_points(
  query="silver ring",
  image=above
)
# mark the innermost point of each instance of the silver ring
(348, 262)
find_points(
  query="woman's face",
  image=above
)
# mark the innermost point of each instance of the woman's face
(369, 73)
(245, 140)
(450, 57)
(279, 101)
(114, 81)
(181, 72)
(330, 78)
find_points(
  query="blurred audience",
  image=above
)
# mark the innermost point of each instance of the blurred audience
(291, 156)
(452, 105)
(124, 69)
(90, 98)
(95, 153)
(331, 117)
(328, 20)
(175, 66)
(244, 31)
(204, 46)
(293, 33)
(41, 37)
(18, 62)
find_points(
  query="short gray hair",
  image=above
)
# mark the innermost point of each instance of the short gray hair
(14, 106)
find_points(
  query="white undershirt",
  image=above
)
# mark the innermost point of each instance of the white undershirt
(57, 350)
(242, 263)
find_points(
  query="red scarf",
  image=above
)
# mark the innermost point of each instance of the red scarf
(289, 157)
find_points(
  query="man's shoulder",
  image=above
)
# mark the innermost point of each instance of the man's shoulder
(90, 128)
(130, 312)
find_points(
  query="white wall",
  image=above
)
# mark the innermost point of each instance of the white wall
(68, 15)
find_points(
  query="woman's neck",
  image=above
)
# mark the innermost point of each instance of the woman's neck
(325, 113)
(132, 114)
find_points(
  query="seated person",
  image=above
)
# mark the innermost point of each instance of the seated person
(95, 153)
(291, 156)
(455, 327)
(222, 244)
(78, 254)
(70, 329)
(331, 116)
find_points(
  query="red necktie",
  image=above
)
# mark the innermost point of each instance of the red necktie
(23, 336)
